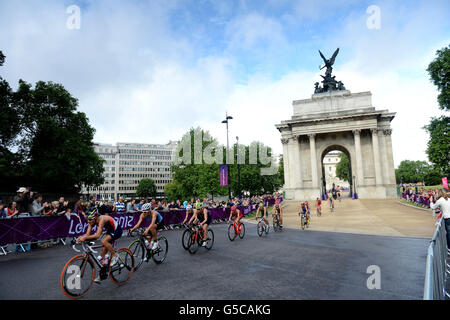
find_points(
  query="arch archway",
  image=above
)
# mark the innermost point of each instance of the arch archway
(334, 147)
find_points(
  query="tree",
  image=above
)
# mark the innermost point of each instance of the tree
(439, 70)
(438, 146)
(173, 191)
(44, 142)
(146, 188)
(342, 167)
(412, 171)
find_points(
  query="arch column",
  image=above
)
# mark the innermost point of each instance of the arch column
(298, 182)
(359, 168)
(389, 156)
(286, 163)
(376, 156)
(312, 148)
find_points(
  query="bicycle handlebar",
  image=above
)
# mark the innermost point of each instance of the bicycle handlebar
(83, 245)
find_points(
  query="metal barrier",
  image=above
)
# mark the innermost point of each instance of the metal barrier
(436, 265)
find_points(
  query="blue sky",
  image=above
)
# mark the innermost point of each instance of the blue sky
(147, 71)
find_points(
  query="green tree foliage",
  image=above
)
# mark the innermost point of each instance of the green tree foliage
(438, 146)
(202, 179)
(417, 171)
(146, 188)
(439, 70)
(342, 167)
(44, 142)
(173, 191)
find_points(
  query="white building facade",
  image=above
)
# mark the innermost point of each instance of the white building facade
(127, 163)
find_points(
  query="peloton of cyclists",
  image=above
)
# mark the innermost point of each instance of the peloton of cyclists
(156, 223)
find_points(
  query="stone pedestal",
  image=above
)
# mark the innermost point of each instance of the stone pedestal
(343, 121)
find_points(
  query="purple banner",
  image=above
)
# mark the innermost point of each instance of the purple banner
(223, 172)
(417, 199)
(22, 230)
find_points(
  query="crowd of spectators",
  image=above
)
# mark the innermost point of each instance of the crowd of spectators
(28, 203)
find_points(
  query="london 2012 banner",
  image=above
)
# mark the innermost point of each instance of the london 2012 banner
(444, 183)
(223, 172)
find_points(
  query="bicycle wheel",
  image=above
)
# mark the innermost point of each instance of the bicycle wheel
(185, 238)
(242, 231)
(231, 232)
(210, 242)
(260, 228)
(159, 255)
(77, 276)
(138, 251)
(193, 243)
(122, 271)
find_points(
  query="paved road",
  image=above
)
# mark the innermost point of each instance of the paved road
(293, 264)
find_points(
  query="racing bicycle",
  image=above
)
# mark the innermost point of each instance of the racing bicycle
(234, 230)
(142, 253)
(196, 238)
(78, 274)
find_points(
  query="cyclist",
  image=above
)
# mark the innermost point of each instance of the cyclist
(113, 232)
(235, 212)
(319, 207)
(304, 209)
(202, 216)
(189, 210)
(156, 223)
(264, 213)
(331, 202)
(277, 210)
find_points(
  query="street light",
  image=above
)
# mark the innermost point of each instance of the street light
(227, 118)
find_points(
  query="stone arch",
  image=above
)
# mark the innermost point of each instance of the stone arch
(347, 150)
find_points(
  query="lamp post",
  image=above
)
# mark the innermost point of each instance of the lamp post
(227, 117)
(238, 168)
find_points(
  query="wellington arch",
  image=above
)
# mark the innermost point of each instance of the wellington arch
(344, 121)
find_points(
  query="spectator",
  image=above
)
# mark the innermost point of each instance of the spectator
(443, 203)
(120, 206)
(105, 208)
(2, 211)
(173, 206)
(22, 200)
(11, 210)
(131, 206)
(79, 209)
(36, 207)
(179, 204)
(140, 204)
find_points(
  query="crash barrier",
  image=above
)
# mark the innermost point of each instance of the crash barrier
(24, 230)
(417, 199)
(436, 266)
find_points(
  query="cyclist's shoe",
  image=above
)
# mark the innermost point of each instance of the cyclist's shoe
(155, 246)
(97, 279)
(204, 243)
(114, 260)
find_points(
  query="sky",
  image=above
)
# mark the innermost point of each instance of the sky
(147, 71)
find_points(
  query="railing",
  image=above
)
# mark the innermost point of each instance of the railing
(417, 199)
(436, 265)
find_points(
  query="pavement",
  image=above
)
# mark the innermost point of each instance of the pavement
(292, 264)
(366, 216)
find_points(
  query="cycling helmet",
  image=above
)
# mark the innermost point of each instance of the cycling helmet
(233, 208)
(146, 207)
(185, 203)
(93, 214)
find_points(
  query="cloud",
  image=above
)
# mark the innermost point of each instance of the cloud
(148, 71)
